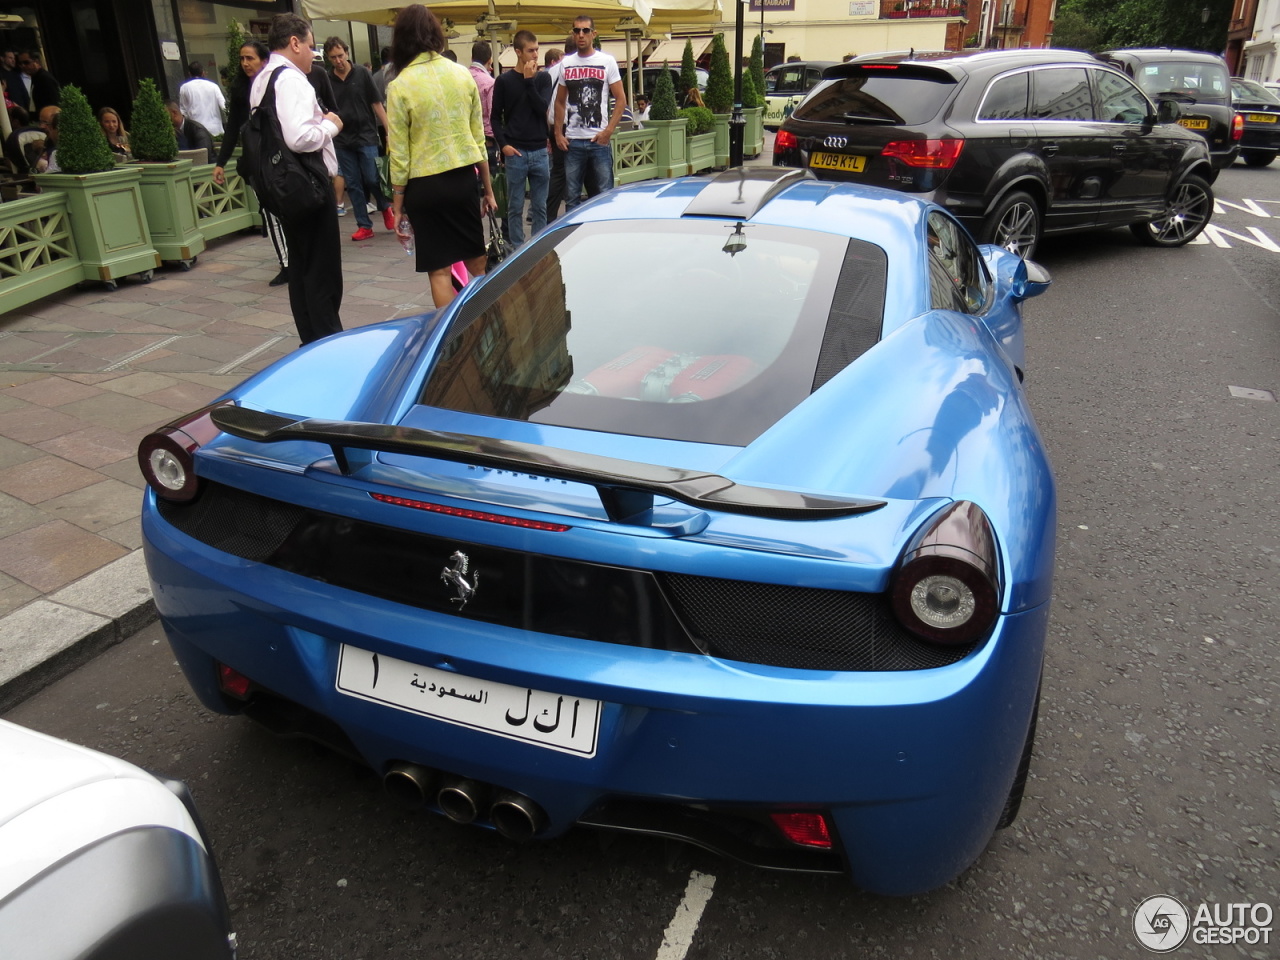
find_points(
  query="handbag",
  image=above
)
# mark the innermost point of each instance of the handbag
(383, 163)
(288, 183)
(498, 180)
(498, 249)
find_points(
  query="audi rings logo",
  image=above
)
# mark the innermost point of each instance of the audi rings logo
(836, 143)
(1161, 923)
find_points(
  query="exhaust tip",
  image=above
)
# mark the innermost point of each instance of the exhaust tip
(517, 817)
(409, 783)
(461, 800)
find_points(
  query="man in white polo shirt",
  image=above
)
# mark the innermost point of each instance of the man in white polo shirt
(201, 99)
(588, 78)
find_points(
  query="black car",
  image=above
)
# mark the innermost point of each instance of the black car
(1015, 143)
(1199, 82)
(1260, 109)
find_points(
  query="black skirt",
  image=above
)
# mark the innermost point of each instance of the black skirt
(444, 209)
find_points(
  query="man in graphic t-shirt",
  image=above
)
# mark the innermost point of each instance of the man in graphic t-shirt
(587, 79)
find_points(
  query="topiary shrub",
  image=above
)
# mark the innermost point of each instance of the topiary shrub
(152, 138)
(82, 146)
(664, 98)
(235, 40)
(701, 120)
(688, 71)
(749, 96)
(719, 95)
(757, 70)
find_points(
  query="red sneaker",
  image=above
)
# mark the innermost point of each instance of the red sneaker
(389, 218)
(364, 233)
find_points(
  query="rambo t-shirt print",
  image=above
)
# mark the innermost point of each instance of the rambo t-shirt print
(586, 81)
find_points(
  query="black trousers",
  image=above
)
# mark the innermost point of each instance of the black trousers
(315, 272)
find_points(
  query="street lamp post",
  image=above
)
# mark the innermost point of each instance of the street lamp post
(738, 121)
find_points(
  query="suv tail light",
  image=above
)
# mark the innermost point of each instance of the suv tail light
(167, 456)
(804, 829)
(1237, 127)
(785, 140)
(934, 154)
(946, 589)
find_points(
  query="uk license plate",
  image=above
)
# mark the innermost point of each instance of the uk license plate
(844, 162)
(1194, 123)
(557, 722)
(1261, 117)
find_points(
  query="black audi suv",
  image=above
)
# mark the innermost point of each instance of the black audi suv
(1017, 144)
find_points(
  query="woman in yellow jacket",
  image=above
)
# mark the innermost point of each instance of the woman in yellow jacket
(437, 144)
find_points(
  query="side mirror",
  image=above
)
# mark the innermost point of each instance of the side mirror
(1168, 111)
(1029, 280)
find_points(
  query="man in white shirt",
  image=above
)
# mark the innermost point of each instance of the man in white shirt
(587, 79)
(201, 99)
(315, 252)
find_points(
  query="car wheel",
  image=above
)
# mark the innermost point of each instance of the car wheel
(1014, 801)
(1187, 211)
(1014, 224)
(1258, 158)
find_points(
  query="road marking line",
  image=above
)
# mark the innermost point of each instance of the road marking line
(228, 367)
(678, 936)
(141, 353)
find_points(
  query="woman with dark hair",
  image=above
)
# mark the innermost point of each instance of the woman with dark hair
(253, 54)
(113, 129)
(437, 147)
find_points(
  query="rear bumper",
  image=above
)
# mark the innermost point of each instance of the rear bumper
(913, 767)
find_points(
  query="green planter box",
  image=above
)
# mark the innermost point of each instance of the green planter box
(722, 139)
(702, 152)
(37, 252)
(753, 136)
(169, 198)
(108, 221)
(226, 208)
(635, 156)
(672, 155)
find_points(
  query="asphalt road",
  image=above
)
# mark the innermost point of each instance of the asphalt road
(1157, 769)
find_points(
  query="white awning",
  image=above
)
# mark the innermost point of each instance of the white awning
(618, 49)
(672, 51)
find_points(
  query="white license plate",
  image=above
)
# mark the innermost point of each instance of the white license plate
(567, 724)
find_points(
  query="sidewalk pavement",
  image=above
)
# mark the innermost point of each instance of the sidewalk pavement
(84, 375)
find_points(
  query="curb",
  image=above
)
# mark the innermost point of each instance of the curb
(48, 638)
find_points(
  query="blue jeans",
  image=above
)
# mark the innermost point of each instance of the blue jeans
(535, 166)
(581, 153)
(359, 167)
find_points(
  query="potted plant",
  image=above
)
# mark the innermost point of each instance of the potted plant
(104, 202)
(166, 181)
(753, 114)
(668, 127)
(701, 130)
(719, 96)
(688, 73)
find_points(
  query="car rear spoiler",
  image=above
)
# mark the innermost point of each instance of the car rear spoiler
(626, 488)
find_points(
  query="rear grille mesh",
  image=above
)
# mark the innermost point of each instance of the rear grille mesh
(804, 628)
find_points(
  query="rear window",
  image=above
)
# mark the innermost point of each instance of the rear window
(686, 329)
(1207, 82)
(890, 96)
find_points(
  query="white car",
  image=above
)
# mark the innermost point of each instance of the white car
(101, 860)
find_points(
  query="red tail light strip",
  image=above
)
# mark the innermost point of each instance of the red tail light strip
(804, 829)
(936, 154)
(470, 514)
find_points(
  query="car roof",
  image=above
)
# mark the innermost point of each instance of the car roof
(802, 63)
(1146, 54)
(962, 62)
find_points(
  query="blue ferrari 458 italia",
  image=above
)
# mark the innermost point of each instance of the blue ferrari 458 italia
(716, 513)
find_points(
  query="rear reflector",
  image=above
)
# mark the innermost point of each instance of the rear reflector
(935, 154)
(233, 682)
(805, 829)
(1237, 127)
(470, 514)
(785, 140)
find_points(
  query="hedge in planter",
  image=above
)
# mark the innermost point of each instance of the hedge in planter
(82, 146)
(719, 95)
(757, 71)
(664, 98)
(701, 120)
(167, 192)
(153, 138)
(688, 71)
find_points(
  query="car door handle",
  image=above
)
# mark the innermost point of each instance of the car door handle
(1117, 148)
(1050, 149)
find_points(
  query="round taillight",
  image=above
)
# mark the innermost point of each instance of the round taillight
(168, 470)
(946, 589)
(166, 457)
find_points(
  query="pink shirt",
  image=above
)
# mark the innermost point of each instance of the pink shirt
(484, 80)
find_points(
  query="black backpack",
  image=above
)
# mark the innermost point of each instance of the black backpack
(293, 186)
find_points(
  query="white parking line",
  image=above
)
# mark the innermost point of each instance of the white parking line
(678, 936)
(228, 367)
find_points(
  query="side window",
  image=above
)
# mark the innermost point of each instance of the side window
(1119, 101)
(770, 82)
(1061, 93)
(1007, 99)
(811, 78)
(957, 275)
(789, 80)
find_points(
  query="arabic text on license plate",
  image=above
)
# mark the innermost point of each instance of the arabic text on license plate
(1194, 123)
(568, 724)
(1261, 117)
(846, 162)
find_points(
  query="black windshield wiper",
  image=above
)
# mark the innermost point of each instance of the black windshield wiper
(867, 118)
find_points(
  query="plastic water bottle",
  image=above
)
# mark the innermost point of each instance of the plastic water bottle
(404, 231)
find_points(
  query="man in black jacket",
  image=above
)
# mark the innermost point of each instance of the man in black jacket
(191, 135)
(520, 100)
(38, 82)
